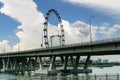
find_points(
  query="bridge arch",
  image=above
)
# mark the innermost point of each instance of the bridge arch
(45, 30)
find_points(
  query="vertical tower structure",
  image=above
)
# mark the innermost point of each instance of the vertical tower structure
(45, 35)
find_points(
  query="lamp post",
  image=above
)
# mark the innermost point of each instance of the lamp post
(18, 46)
(80, 38)
(90, 28)
(3, 48)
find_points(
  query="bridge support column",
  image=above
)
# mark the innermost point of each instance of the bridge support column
(35, 62)
(23, 66)
(11, 63)
(62, 60)
(77, 61)
(30, 62)
(18, 64)
(87, 62)
(72, 61)
(65, 63)
(52, 62)
(3, 66)
(54, 66)
(7, 63)
(40, 63)
(14, 64)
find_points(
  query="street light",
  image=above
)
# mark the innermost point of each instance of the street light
(90, 28)
(18, 46)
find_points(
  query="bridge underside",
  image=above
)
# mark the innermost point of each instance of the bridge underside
(53, 64)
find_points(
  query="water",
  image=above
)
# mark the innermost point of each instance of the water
(106, 70)
(107, 73)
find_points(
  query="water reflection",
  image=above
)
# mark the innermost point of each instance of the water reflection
(37, 77)
(101, 74)
(66, 77)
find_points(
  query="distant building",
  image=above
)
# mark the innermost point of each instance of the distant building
(99, 61)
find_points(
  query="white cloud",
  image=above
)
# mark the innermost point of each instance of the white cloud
(25, 12)
(109, 31)
(109, 7)
(102, 28)
(5, 47)
(78, 32)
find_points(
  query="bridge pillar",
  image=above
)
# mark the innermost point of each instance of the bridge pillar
(14, 64)
(52, 62)
(7, 63)
(23, 64)
(77, 61)
(72, 61)
(62, 60)
(11, 63)
(30, 62)
(35, 63)
(65, 63)
(3, 64)
(87, 62)
(40, 63)
(17, 64)
(54, 66)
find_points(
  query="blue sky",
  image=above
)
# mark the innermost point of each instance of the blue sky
(73, 13)
(69, 10)
(8, 26)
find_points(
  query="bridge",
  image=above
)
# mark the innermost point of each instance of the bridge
(44, 59)
(33, 59)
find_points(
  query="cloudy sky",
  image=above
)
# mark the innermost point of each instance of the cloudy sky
(22, 21)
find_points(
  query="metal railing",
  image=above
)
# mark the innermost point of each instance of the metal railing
(71, 45)
(78, 77)
(95, 77)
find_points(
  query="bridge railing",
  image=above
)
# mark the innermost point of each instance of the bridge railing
(91, 43)
(81, 77)
(100, 77)
(90, 77)
(70, 45)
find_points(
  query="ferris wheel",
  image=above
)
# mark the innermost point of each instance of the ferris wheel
(45, 30)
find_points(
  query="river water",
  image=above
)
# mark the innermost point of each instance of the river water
(107, 73)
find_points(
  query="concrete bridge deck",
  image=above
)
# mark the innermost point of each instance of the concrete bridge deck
(102, 47)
